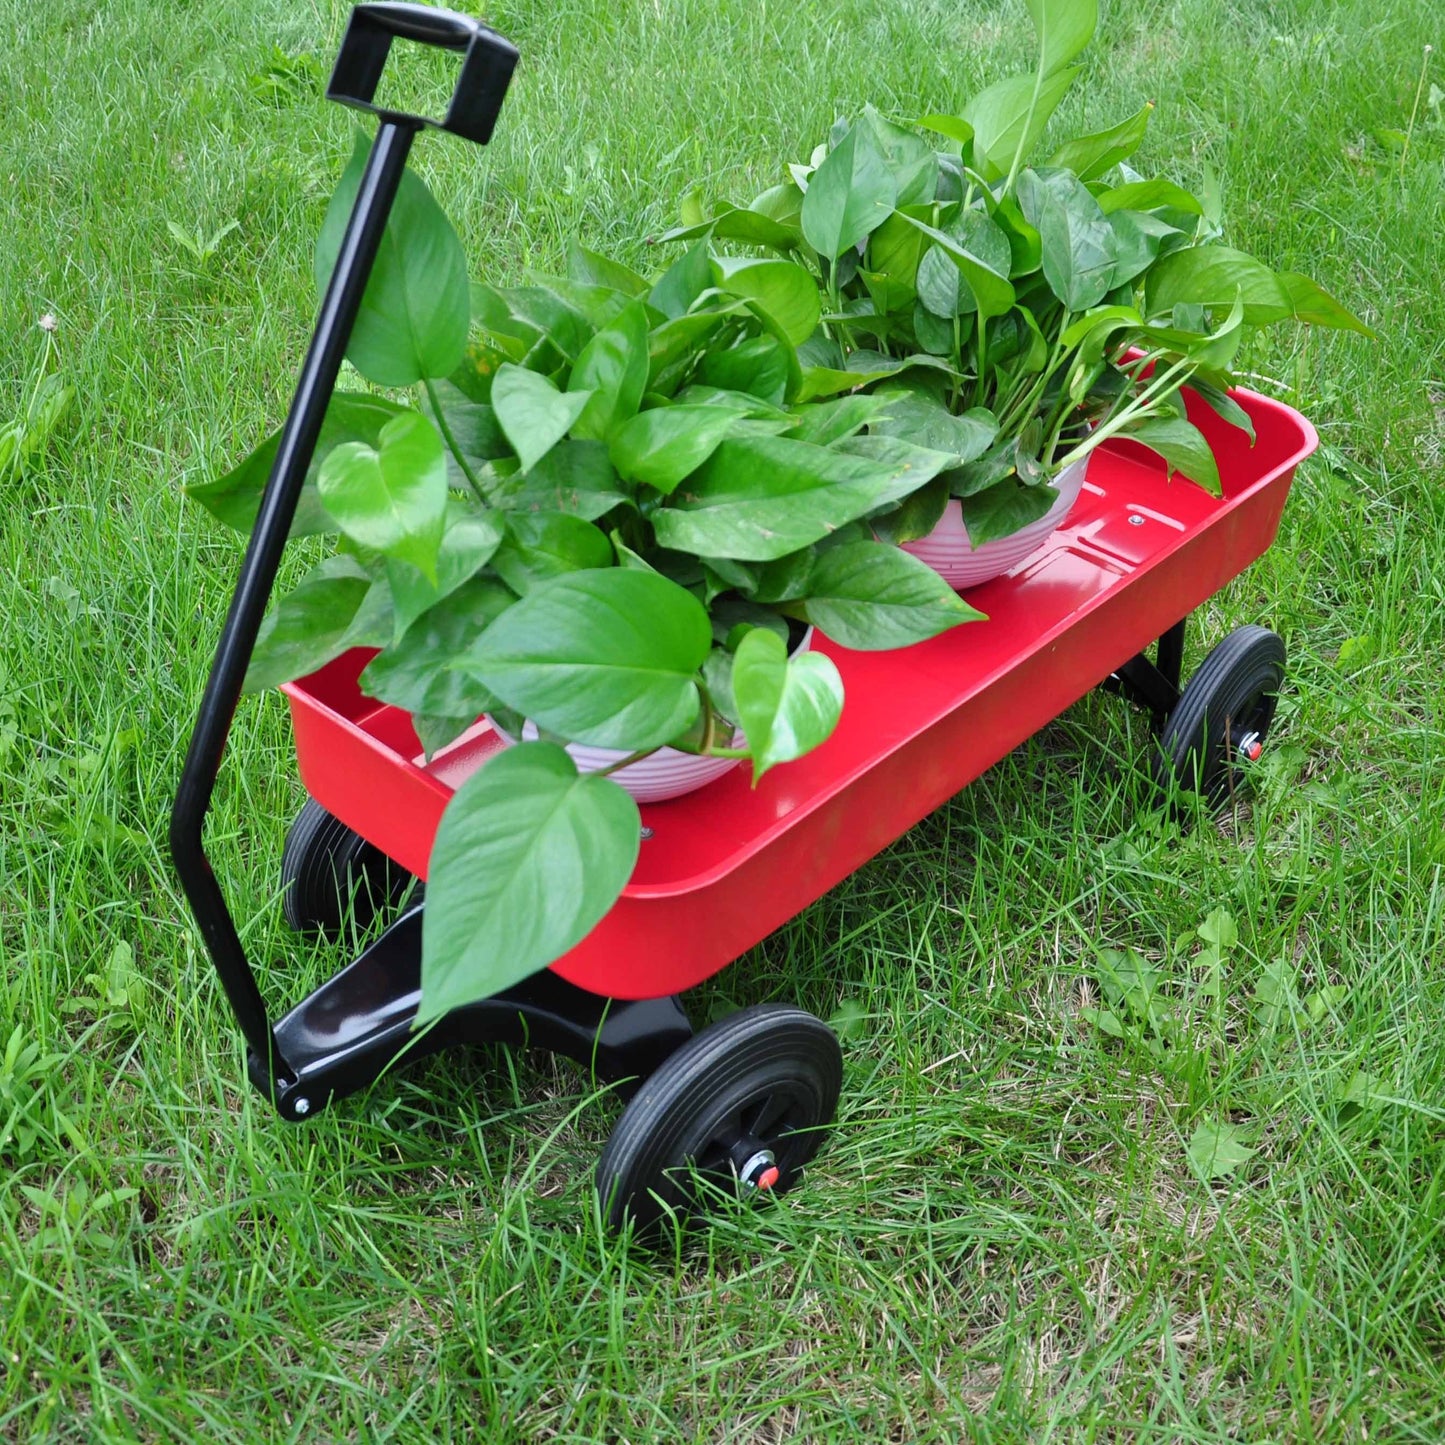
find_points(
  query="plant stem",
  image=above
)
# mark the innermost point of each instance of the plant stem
(1117, 423)
(624, 762)
(451, 441)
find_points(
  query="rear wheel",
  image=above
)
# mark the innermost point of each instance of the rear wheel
(1223, 715)
(740, 1106)
(331, 875)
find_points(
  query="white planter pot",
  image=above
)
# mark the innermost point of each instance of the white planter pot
(667, 773)
(949, 552)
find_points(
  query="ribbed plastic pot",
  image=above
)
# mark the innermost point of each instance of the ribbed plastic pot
(667, 773)
(948, 550)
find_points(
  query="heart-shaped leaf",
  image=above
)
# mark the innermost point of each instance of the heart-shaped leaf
(1089, 156)
(1216, 277)
(662, 446)
(849, 195)
(468, 541)
(605, 657)
(531, 411)
(612, 372)
(528, 858)
(759, 498)
(786, 706)
(1010, 116)
(541, 545)
(413, 673)
(1079, 249)
(987, 279)
(785, 290)
(413, 317)
(309, 626)
(392, 497)
(870, 596)
(575, 476)
(1183, 447)
(236, 497)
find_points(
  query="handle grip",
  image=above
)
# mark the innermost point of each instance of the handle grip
(487, 64)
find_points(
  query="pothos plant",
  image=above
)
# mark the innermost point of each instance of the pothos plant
(1017, 315)
(593, 502)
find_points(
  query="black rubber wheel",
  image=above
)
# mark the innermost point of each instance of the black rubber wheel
(740, 1106)
(1226, 707)
(331, 875)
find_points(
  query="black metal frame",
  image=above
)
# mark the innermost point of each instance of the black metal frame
(1153, 685)
(354, 1027)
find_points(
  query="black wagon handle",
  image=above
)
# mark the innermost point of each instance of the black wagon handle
(486, 70)
(487, 64)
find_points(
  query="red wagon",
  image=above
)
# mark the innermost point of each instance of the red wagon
(744, 1099)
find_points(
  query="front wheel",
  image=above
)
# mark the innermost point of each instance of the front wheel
(331, 875)
(740, 1106)
(1223, 715)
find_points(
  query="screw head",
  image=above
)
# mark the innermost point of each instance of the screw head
(1136, 520)
(302, 1107)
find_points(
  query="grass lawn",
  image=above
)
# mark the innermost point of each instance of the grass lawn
(1005, 1239)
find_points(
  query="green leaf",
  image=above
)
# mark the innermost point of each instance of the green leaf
(954, 127)
(236, 497)
(849, 195)
(528, 858)
(392, 497)
(1216, 276)
(785, 290)
(613, 368)
(1148, 196)
(1064, 28)
(414, 313)
(1089, 156)
(1138, 238)
(683, 282)
(473, 426)
(468, 541)
(1217, 1149)
(1079, 250)
(415, 674)
(531, 411)
(1219, 929)
(541, 545)
(824, 423)
(916, 517)
(991, 288)
(1002, 509)
(871, 596)
(758, 367)
(749, 226)
(605, 657)
(672, 347)
(662, 446)
(1223, 405)
(760, 498)
(787, 706)
(575, 477)
(1183, 447)
(593, 270)
(925, 420)
(310, 626)
(1009, 117)
(911, 160)
(1313, 304)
